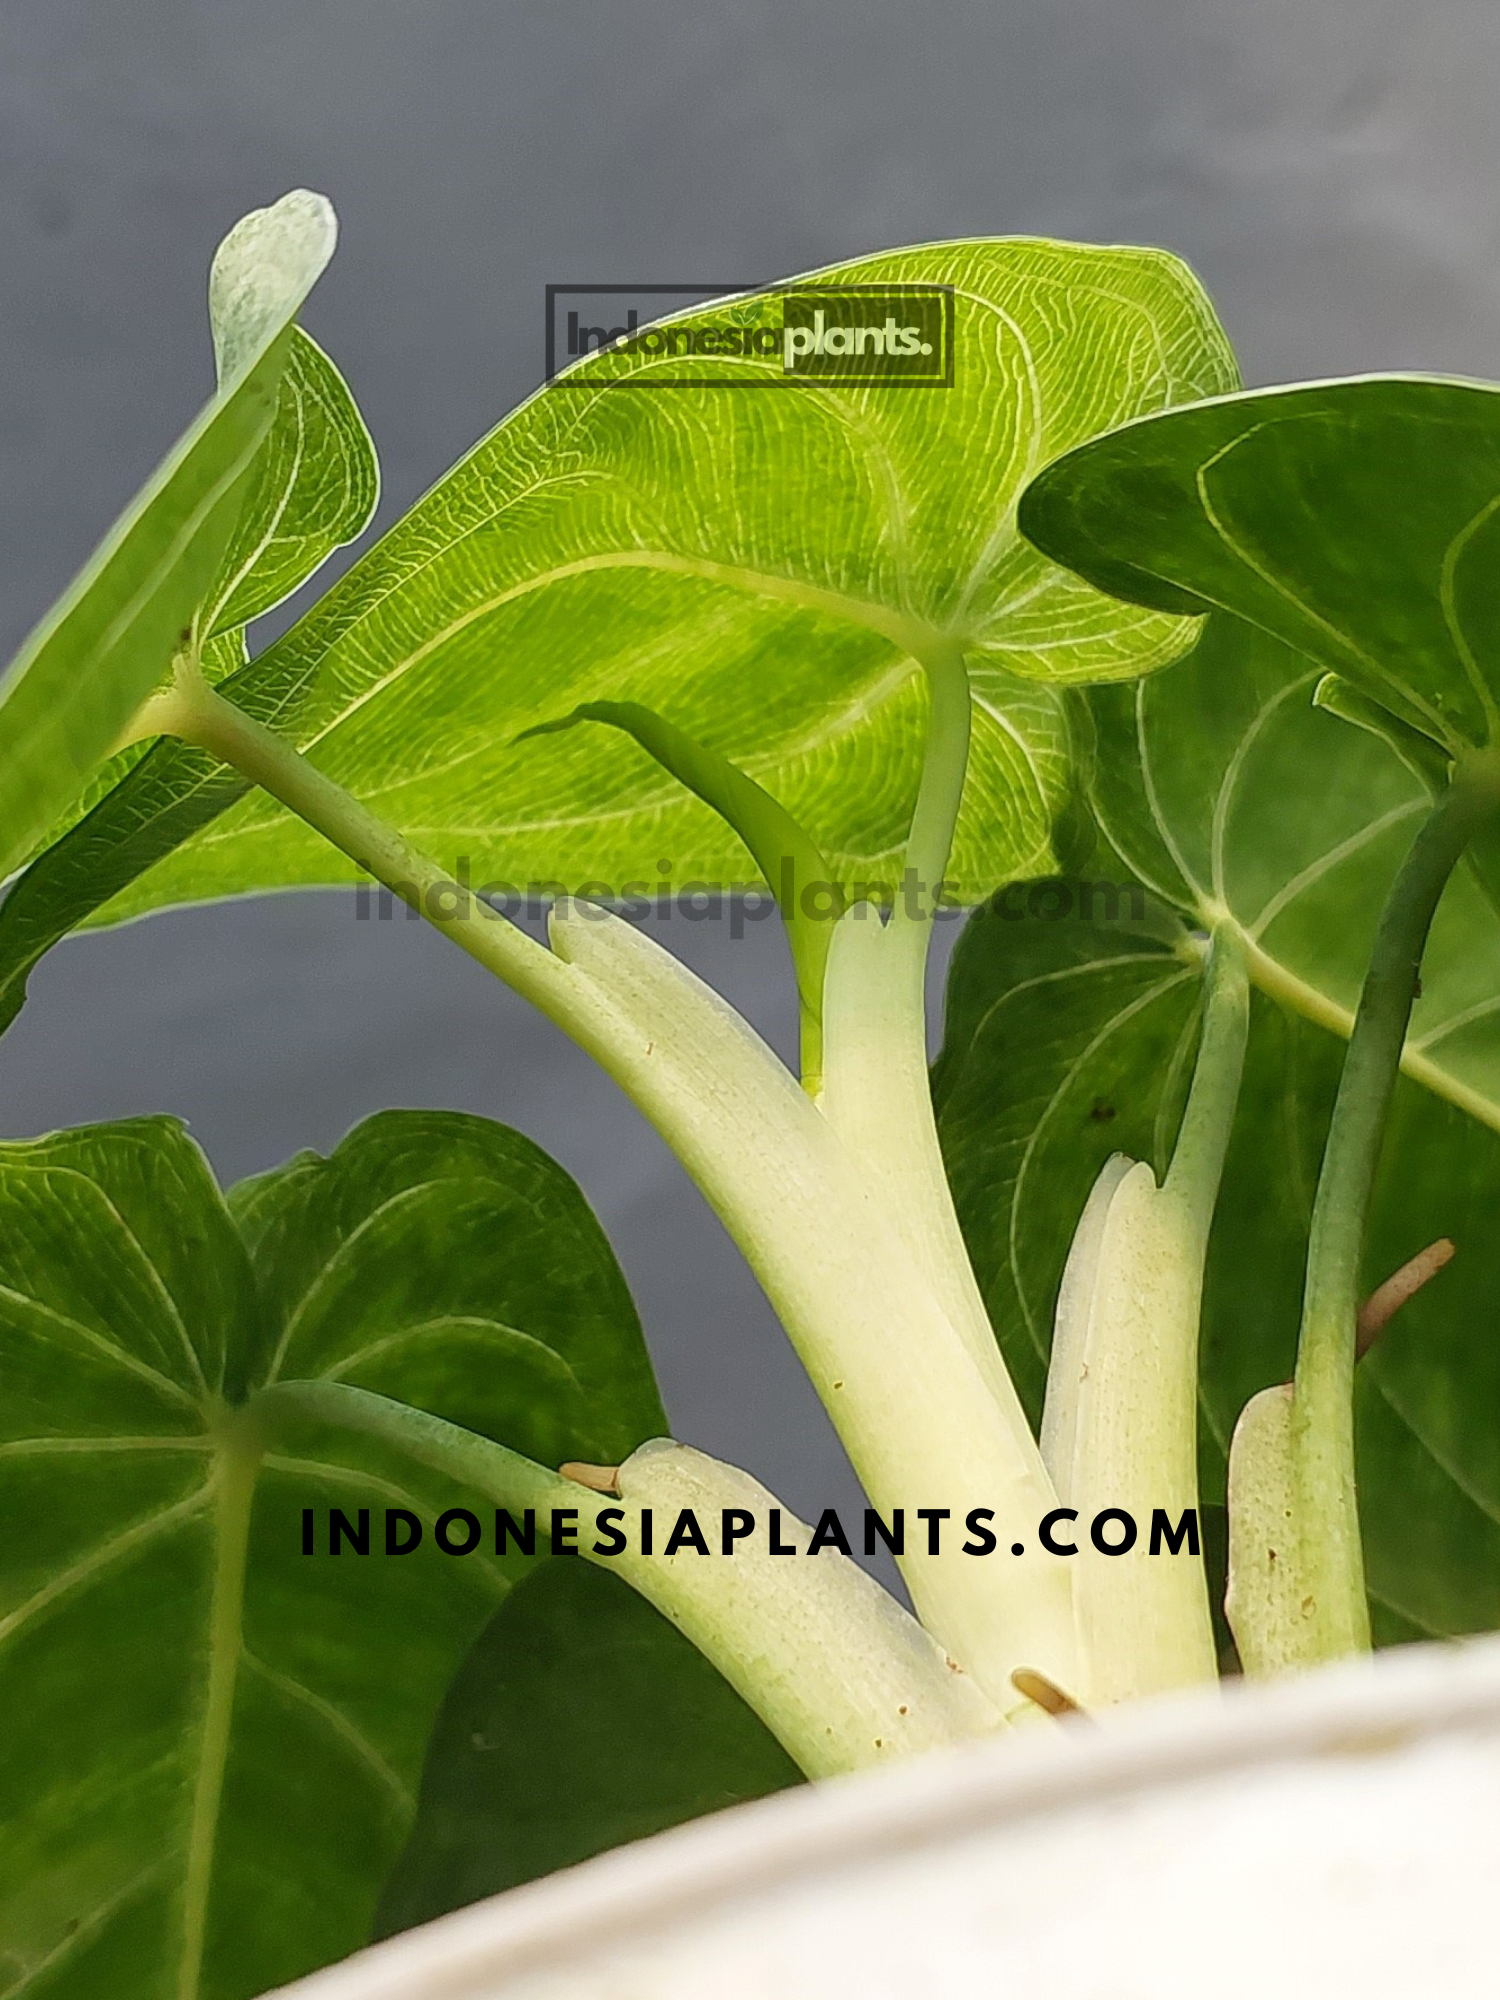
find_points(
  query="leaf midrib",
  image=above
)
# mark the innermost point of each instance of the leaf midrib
(233, 1498)
(1268, 973)
(1279, 983)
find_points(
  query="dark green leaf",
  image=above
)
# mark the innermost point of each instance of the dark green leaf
(1226, 791)
(222, 1737)
(448, 1262)
(1069, 1040)
(1358, 521)
(581, 1720)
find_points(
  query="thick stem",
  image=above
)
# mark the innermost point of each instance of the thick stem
(912, 1403)
(1322, 1414)
(829, 1661)
(923, 1414)
(193, 711)
(876, 1090)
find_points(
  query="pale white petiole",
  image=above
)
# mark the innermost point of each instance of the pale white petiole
(833, 1665)
(867, 1272)
(1120, 1429)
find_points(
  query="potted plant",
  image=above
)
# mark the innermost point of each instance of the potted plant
(356, 1573)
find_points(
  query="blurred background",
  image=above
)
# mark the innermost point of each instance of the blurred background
(1329, 169)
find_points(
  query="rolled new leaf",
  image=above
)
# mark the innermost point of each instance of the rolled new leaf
(1268, 1604)
(1120, 1429)
(1121, 1424)
(843, 1675)
(787, 856)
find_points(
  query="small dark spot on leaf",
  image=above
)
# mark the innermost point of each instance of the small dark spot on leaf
(1102, 1112)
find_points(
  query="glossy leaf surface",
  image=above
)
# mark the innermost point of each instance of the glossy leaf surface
(1358, 521)
(581, 1720)
(1071, 1040)
(223, 1735)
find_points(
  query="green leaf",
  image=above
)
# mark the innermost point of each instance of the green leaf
(448, 1262)
(760, 565)
(132, 811)
(1029, 1108)
(1357, 521)
(315, 486)
(224, 1736)
(1066, 1041)
(581, 1720)
(1225, 790)
(97, 654)
(1419, 753)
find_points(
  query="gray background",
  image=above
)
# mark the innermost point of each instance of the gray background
(1329, 168)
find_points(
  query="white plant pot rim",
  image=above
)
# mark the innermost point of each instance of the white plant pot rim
(1396, 1729)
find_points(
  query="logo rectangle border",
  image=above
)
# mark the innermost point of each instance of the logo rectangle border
(554, 380)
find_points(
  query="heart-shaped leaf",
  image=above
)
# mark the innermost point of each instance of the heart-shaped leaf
(223, 1736)
(98, 653)
(1358, 521)
(1073, 1039)
(757, 563)
(582, 1719)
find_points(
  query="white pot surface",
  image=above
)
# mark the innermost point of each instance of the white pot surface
(1335, 1835)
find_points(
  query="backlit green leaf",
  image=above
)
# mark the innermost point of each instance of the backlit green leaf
(759, 563)
(223, 1736)
(314, 488)
(97, 654)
